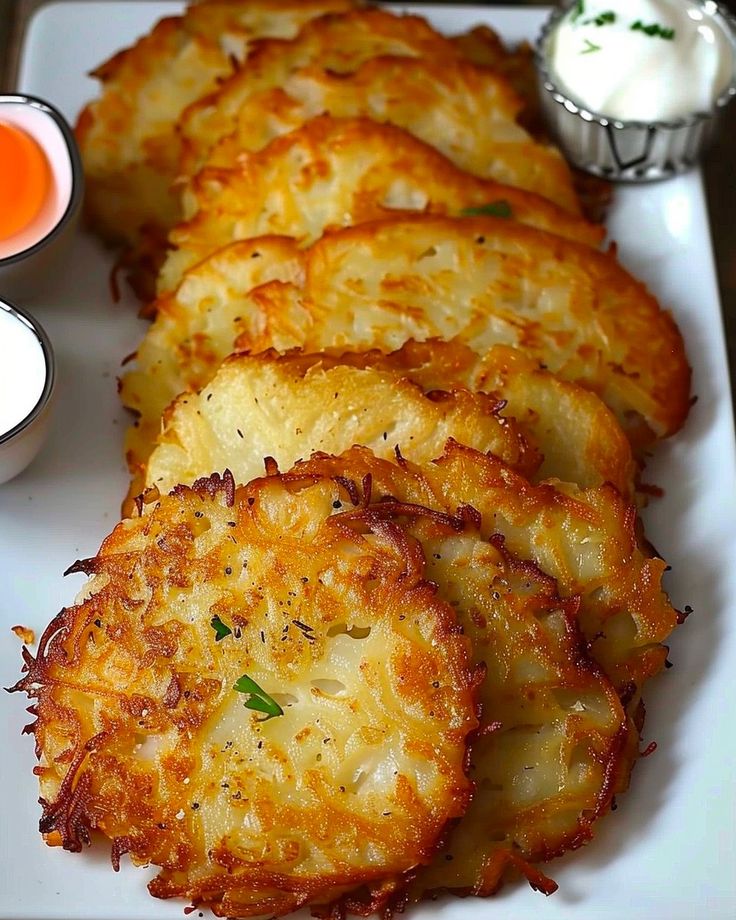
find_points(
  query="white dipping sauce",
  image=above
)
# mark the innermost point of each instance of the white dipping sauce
(22, 371)
(641, 60)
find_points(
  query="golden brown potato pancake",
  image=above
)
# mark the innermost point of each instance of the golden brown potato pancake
(127, 138)
(486, 281)
(199, 324)
(339, 172)
(287, 407)
(468, 113)
(337, 43)
(195, 329)
(554, 745)
(583, 538)
(555, 742)
(259, 694)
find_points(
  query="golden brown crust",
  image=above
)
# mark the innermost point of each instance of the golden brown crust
(142, 736)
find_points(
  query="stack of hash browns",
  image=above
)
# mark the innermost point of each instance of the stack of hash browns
(378, 617)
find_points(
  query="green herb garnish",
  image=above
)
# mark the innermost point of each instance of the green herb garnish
(654, 30)
(577, 10)
(604, 19)
(499, 208)
(590, 46)
(257, 699)
(221, 630)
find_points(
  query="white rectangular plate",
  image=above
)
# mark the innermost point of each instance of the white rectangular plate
(668, 852)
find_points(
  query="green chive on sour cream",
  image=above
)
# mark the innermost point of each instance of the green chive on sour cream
(642, 60)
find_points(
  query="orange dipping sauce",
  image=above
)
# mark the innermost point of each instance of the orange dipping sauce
(25, 179)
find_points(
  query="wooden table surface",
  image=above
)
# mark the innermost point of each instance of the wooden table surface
(719, 169)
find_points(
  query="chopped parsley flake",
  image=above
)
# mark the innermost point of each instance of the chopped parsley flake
(257, 698)
(499, 208)
(590, 46)
(221, 630)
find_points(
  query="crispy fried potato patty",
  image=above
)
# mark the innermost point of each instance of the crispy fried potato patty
(127, 139)
(287, 407)
(583, 538)
(197, 326)
(259, 694)
(340, 172)
(555, 743)
(468, 113)
(486, 281)
(339, 44)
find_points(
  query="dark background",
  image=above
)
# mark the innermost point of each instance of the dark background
(719, 165)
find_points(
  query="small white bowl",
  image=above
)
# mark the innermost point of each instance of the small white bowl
(20, 443)
(28, 259)
(627, 151)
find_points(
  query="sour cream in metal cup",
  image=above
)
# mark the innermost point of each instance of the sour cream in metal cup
(632, 90)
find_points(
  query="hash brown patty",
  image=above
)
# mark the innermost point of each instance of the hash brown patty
(257, 693)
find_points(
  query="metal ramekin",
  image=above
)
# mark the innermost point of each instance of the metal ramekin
(628, 151)
(25, 274)
(20, 444)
